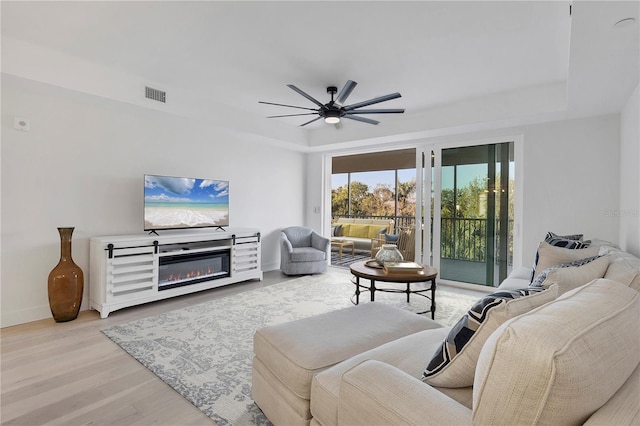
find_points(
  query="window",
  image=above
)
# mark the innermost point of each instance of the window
(375, 185)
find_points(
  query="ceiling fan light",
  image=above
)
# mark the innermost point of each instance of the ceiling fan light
(332, 120)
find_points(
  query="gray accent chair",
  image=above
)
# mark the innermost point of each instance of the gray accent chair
(303, 251)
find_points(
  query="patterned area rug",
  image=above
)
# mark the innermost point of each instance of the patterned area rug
(204, 351)
(348, 258)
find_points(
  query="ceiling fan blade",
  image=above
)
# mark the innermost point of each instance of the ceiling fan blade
(364, 120)
(372, 101)
(345, 92)
(376, 111)
(291, 115)
(295, 89)
(290, 106)
(308, 122)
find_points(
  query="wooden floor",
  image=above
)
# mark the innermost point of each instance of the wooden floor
(71, 374)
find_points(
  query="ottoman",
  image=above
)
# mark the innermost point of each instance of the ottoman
(287, 356)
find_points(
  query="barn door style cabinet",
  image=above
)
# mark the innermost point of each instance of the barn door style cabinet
(129, 270)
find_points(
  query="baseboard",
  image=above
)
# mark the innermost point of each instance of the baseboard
(467, 286)
(16, 317)
(37, 313)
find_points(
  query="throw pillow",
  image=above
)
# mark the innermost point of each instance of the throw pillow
(567, 241)
(561, 362)
(573, 241)
(454, 363)
(551, 235)
(391, 238)
(337, 231)
(549, 255)
(573, 274)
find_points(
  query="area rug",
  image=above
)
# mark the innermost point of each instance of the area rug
(204, 351)
(348, 258)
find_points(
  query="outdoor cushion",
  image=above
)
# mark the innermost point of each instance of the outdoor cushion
(453, 365)
(359, 231)
(391, 238)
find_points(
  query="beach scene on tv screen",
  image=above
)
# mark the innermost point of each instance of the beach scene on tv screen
(176, 202)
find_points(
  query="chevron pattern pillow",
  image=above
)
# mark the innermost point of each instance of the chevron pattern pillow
(573, 241)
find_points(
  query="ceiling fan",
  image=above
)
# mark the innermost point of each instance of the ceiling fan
(335, 110)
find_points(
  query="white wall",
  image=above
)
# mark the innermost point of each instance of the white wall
(570, 175)
(570, 180)
(82, 165)
(629, 211)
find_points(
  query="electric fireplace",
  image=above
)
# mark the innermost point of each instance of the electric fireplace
(190, 268)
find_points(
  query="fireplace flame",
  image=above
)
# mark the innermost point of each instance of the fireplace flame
(194, 274)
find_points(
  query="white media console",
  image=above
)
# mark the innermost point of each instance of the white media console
(128, 270)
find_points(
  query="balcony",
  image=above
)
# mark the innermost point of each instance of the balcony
(463, 254)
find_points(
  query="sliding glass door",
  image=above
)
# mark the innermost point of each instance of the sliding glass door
(468, 192)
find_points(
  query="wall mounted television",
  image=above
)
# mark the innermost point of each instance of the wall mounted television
(181, 203)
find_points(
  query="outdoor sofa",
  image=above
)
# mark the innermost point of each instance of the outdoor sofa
(361, 231)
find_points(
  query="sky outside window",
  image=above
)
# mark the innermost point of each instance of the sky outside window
(371, 179)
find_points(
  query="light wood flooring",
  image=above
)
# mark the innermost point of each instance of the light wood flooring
(71, 374)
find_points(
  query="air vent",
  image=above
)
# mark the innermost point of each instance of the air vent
(155, 94)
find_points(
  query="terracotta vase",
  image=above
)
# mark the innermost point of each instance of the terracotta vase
(66, 282)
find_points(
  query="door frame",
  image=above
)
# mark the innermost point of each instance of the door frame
(424, 174)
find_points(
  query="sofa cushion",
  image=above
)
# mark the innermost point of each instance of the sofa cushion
(345, 229)
(404, 353)
(295, 351)
(307, 254)
(559, 363)
(520, 277)
(549, 255)
(624, 268)
(376, 230)
(453, 364)
(573, 274)
(623, 408)
(377, 394)
(359, 231)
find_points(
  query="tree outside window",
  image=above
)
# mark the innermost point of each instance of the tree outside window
(386, 193)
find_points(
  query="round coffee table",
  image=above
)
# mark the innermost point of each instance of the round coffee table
(361, 270)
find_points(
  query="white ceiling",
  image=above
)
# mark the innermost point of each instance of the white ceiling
(436, 54)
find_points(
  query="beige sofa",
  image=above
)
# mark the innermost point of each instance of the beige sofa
(360, 231)
(572, 360)
(569, 354)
